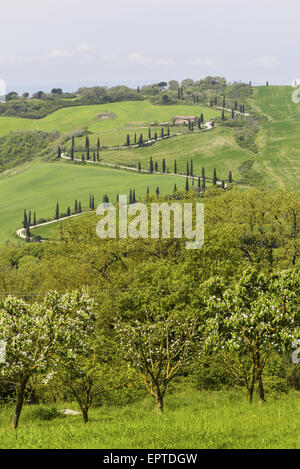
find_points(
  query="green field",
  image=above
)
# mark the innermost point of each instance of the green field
(41, 185)
(278, 140)
(210, 420)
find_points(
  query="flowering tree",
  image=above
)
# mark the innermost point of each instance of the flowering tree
(35, 334)
(158, 348)
(254, 318)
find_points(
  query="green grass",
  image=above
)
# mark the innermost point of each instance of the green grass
(279, 138)
(39, 186)
(191, 420)
(128, 116)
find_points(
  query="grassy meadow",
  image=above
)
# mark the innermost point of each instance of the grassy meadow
(39, 186)
(202, 420)
(278, 139)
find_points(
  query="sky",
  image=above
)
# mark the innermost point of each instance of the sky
(72, 43)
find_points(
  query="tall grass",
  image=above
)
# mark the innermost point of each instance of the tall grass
(191, 420)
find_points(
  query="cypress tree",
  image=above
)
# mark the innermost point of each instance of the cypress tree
(187, 184)
(59, 152)
(175, 188)
(141, 140)
(223, 115)
(151, 165)
(98, 144)
(191, 168)
(155, 136)
(29, 218)
(199, 123)
(34, 219)
(139, 167)
(162, 132)
(163, 165)
(199, 184)
(57, 211)
(232, 114)
(93, 203)
(135, 139)
(72, 153)
(98, 156)
(202, 118)
(187, 169)
(133, 197)
(215, 177)
(235, 105)
(79, 207)
(28, 234)
(73, 141)
(230, 177)
(82, 156)
(25, 223)
(223, 184)
(94, 156)
(68, 211)
(149, 134)
(175, 167)
(156, 166)
(87, 142)
(128, 140)
(192, 126)
(157, 191)
(130, 196)
(76, 206)
(148, 191)
(169, 132)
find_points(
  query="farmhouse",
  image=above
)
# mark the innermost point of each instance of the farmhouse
(184, 120)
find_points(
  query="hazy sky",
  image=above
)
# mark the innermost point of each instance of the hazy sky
(71, 42)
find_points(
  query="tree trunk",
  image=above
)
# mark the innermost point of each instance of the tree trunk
(19, 404)
(85, 415)
(259, 370)
(159, 404)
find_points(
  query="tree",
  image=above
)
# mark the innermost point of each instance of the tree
(151, 165)
(87, 142)
(232, 114)
(254, 318)
(57, 91)
(133, 197)
(168, 132)
(76, 206)
(201, 118)
(223, 115)
(162, 132)
(28, 234)
(191, 168)
(98, 144)
(94, 156)
(163, 165)
(130, 197)
(156, 166)
(230, 177)
(141, 140)
(175, 188)
(57, 211)
(68, 212)
(223, 184)
(25, 221)
(59, 152)
(139, 167)
(72, 153)
(158, 348)
(187, 184)
(79, 207)
(187, 169)
(157, 191)
(155, 136)
(128, 140)
(34, 219)
(175, 167)
(82, 156)
(215, 177)
(149, 134)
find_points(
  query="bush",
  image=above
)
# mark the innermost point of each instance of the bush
(45, 413)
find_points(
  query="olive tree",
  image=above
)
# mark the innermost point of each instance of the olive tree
(252, 319)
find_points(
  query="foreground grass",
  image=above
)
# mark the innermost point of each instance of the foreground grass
(191, 420)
